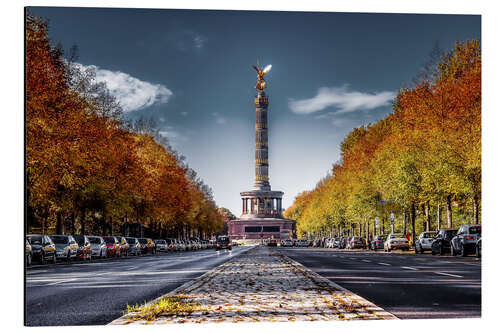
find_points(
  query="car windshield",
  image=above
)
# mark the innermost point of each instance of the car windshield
(94, 240)
(159, 241)
(429, 234)
(60, 239)
(109, 240)
(397, 236)
(475, 230)
(37, 240)
(355, 239)
(130, 240)
(223, 239)
(79, 239)
(381, 237)
(143, 240)
(451, 233)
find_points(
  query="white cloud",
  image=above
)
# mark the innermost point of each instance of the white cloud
(342, 99)
(219, 119)
(184, 113)
(132, 93)
(199, 41)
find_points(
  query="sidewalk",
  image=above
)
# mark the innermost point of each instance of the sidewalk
(264, 285)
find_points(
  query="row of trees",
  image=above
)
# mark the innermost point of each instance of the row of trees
(422, 159)
(90, 171)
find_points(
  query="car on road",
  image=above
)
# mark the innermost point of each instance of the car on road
(112, 245)
(424, 241)
(223, 242)
(124, 246)
(478, 248)
(172, 245)
(396, 241)
(134, 246)
(43, 248)
(147, 245)
(336, 243)
(302, 242)
(28, 253)
(286, 242)
(441, 243)
(272, 242)
(161, 245)
(181, 246)
(97, 246)
(378, 242)
(84, 250)
(357, 243)
(342, 243)
(66, 246)
(465, 240)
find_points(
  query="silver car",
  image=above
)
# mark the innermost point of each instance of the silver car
(98, 246)
(134, 246)
(424, 242)
(465, 240)
(161, 245)
(66, 246)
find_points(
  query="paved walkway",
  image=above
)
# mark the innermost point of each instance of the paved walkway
(264, 285)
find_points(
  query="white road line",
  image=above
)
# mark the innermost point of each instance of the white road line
(383, 263)
(412, 268)
(366, 260)
(448, 274)
(60, 281)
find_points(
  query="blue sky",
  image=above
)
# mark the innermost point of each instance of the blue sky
(191, 71)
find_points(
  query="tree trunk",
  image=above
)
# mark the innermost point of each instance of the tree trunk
(404, 222)
(449, 215)
(59, 226)
(412, 221)
(383, 227)
(72, 223)
(475, 206)
(438, 217)
(82, 222)
(427, 216)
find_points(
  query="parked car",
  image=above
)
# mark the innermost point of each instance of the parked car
(396, 241)
(124, 246)
(465, 240)
(441, 243)
(97, 246)
(286, 242)
(342, 243)
(147, 245)
(134, 246)
(357, 243)
(223, 242)
(378, 242)
(478, 248)
(112, 245)
(84, 251)
(181, 246)
(348, 242)
(336, 242)
(302, 242)
(28, 253)
(161, 245)
(43, 248)
(172, 245)
(66, 246)
(424, 241)
(272, 242)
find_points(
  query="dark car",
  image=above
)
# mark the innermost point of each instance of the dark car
(28, 253)
(42, 248)
(223, 242)
(342, 243)
(357, 243)
(112, 246)
(465, 240)
(272, 242)
(66, 246)
(134, 246)
(378, 242)
(147, 245)
(478, 248)
(442, 240)
(84, 250)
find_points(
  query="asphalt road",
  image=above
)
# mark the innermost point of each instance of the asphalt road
(407, 285)
(96, 293)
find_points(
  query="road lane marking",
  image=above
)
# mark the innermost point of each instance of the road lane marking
(383, 263)
(366, 260)
(412, 268)
(448, 274)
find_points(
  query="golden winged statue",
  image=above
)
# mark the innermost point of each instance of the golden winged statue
(261, 83)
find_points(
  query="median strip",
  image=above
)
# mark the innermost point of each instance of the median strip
(448, 274)
(259, 285)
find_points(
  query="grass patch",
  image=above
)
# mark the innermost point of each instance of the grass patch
(168, 306)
